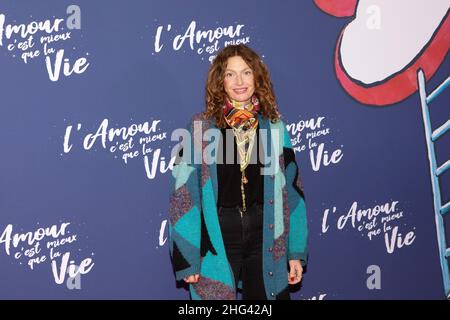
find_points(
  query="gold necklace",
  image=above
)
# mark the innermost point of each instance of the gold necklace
(242, 138)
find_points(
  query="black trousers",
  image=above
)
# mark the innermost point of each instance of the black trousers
(243, 239)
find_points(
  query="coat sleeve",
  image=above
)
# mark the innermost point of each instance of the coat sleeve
(184, 212)
(298, 227)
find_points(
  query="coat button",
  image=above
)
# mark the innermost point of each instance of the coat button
(271, 226)
(270, 249)
(270, 273)
(272, 294)
(272, 177)
(271, 201)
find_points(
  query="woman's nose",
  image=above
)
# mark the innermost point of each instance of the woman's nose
(239, 80)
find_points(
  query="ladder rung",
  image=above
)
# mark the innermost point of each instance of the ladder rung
(445, 208)
(442, 168)
(440, 131)
(438, 90)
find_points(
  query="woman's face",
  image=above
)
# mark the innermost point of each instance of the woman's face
(239, 83)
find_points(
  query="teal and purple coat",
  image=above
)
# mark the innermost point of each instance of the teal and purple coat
(195, 240)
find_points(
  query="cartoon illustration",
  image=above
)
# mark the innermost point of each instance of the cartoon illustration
(379, 52)
(385, 54)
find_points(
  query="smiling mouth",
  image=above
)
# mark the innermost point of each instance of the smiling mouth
(240, 91)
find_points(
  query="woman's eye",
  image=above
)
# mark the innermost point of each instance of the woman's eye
(248, 73)
(228, 74)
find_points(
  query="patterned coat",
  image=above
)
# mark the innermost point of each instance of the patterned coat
(195, 240)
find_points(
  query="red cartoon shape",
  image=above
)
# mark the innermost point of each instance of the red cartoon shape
(379, 52)
(337, 8)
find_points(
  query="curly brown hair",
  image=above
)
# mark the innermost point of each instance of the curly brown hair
(215, 91)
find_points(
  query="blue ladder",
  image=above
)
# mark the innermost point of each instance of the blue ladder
(439, 210)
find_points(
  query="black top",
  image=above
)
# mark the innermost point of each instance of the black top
(229, 175)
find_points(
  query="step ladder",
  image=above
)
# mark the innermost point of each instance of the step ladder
(440, 210)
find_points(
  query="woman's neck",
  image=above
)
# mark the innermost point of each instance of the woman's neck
(240, 104)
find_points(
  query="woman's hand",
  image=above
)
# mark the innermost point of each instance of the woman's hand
(296, 272)
(192, 279)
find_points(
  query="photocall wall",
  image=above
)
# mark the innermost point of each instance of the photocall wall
(92, 90)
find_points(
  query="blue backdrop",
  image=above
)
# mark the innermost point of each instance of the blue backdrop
(84, 175)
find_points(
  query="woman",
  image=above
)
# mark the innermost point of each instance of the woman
(242, 223)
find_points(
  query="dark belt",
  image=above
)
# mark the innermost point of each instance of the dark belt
(255, 205)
